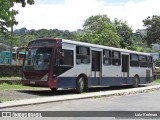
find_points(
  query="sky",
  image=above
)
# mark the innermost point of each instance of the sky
(71, 14)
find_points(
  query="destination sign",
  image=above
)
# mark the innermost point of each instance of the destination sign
(42, 43)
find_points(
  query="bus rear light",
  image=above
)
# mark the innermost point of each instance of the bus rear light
(45, 77)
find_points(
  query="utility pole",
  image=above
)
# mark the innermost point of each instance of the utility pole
(11, 50)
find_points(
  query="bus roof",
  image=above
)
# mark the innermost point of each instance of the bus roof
(57, 39)
(92, 45)
(102, 47)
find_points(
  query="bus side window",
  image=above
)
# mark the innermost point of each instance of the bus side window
(116, 58)
(134, 60)
(66, 57)
(82, 55)
(143, 61)
(106, 57)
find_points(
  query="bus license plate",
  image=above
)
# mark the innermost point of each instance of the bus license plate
(32, 82)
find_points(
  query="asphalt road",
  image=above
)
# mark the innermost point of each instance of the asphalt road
(136, 102)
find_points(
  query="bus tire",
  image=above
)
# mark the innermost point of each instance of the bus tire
(80, 84)
(135, 82)
(54, 89)
(86, 88)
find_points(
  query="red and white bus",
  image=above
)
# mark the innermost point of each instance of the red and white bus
(59, 63)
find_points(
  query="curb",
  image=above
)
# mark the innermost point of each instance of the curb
(77, 96)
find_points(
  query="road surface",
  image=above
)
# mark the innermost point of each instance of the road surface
(135, 102)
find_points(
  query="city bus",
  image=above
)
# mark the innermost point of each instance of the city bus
(59, 63)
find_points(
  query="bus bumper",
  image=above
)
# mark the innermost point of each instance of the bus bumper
(35, 83)
(40, 83)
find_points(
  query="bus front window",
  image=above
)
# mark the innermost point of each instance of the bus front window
(37, 59)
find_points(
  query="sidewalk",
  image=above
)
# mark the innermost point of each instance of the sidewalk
(78, 96)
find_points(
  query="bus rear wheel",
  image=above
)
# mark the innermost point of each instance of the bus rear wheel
(80, 85)
(136, 82)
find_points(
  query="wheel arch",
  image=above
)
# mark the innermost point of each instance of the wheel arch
(136, 75)
(85, 77)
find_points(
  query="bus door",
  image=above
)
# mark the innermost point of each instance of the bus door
(96, 67)
(125, 67)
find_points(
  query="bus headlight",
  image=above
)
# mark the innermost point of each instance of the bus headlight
(45, 77)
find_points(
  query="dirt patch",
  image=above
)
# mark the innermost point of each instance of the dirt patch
(9, 95)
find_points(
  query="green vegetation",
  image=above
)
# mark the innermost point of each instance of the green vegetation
(6, 86)
(2, 99)
(23, 36)
(99, 29)
(10, 78)
(153, 29)
(7, 13)
(157, 81)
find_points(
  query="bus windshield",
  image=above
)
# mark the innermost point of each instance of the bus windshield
(37, 59)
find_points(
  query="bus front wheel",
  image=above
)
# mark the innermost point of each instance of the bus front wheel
(136, 82)
(54, 89)
(80, 85)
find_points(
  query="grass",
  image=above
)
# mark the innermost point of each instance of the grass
(5, 99)
(10, 78)
(6, 86)
(157, 81)
(10, 87)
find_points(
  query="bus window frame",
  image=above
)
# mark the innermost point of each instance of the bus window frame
(133, 62)
(82, 56)
(57, 68)
(61, 55)
(143, 63)
(116, 60)
(107, 58)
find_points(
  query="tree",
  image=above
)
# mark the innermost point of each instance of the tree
(124, 32)
(100, 30)
(7, 18)
(7, 15)
(96, 24)
(23, 36)
(153, 29)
